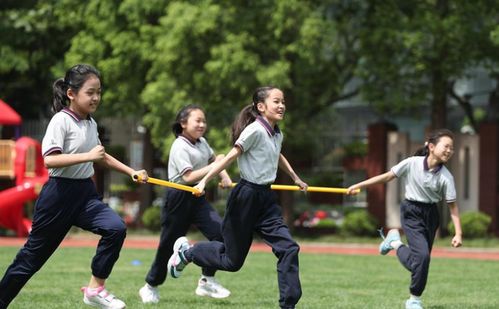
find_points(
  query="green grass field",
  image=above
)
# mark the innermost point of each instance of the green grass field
(328, 281)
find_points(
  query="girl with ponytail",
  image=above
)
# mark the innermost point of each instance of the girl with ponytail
(427, 182)
(190, 159)
(70, 148)
(251, 206)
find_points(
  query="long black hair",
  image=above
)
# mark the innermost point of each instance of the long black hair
(182, 116)
(249, 113)
(75, 78)
(433, 138)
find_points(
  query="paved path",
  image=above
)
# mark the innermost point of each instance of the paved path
(151, 242)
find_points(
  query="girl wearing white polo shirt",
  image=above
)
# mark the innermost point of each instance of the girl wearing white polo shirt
(70, 147)
(427, 181)
(251, 206)
(191, 157)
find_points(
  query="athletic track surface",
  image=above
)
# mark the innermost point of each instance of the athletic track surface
(151, 242)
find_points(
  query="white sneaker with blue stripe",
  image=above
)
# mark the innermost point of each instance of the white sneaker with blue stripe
(385, 245)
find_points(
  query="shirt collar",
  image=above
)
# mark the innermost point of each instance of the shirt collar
(271, 131)
(73, 115)
(427, 168)
(193, 143)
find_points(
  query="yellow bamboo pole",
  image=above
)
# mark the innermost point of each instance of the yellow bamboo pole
(309, 189)
(170, 184)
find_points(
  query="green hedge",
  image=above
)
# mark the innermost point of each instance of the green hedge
(474, 224)
(152, 218)
(359, 223)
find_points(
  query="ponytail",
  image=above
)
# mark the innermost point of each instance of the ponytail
(59, 97)
(247, 115)
(433, 138)
(74, 79)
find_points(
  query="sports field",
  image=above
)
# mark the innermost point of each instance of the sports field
(328, 281)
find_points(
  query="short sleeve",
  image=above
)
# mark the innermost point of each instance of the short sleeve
(53, 141)
(247, 139)
(401, 168)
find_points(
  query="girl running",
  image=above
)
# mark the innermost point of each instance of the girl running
(427, 181)
(251, 206)
(191, 158)
(70, 147)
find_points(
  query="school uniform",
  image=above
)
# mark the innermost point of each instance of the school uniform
(252, 207)
(181, 208)
(419, 214)
(68, 198)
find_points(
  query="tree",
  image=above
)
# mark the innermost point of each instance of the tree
(31, 42)
(217, 54)
(417, 50)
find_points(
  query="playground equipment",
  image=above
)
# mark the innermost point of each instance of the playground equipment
(21, 162)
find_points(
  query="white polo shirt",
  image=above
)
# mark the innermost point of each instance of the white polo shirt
(261, 148)
(69, 134)
(186, 156)
(423, 185)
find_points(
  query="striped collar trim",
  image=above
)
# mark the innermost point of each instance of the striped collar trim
(188, 141)
(271, 131)
(73, 114)
(427, 168)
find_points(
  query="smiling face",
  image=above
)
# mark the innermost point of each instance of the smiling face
(195, 125)
(273, 107)
(443, 150)
(87, 99)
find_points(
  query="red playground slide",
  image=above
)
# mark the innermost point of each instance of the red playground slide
(12, 207)
(30, 175)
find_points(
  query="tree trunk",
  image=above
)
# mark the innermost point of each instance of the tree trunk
(439, 78)
(438, 104)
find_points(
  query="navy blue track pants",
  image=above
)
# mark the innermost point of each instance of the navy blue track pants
(420, 223)
(63, 203)
(253, 208)
(181, 210)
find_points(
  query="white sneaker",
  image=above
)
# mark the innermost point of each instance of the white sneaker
(177, 261)
(101, 298)
(413, 304)
(208, 286)
(149, 294)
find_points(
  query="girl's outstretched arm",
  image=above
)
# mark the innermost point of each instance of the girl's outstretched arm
(196, 175)
(219, 166)
(111, 162)
(383, 178)
(457, 240)
(286, 167)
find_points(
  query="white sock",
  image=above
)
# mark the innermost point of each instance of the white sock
(415, 297)
(396, 244)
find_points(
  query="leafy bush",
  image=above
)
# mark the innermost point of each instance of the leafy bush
(152, 218)
(327, 223)
(359, 223)
(474, 224)
(355, 149)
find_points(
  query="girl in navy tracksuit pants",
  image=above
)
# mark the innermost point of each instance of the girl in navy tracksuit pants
(251, 206)
(191, 157)
(427, 182)
(70, 147)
